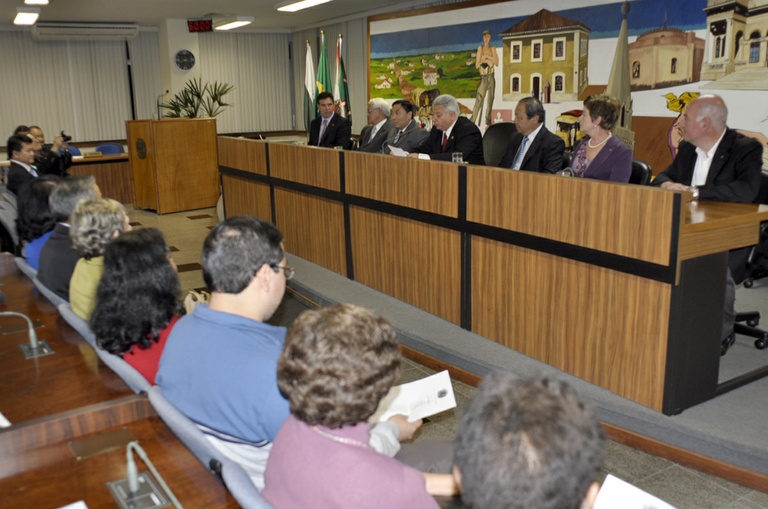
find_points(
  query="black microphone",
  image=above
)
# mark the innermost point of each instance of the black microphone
(159, 104)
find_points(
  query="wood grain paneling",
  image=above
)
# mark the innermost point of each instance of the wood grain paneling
(142, 165)
(606, 327)
(246, 198)
(705, 223)
(313, 166)
(627, 220)
(113, 174)
(243, 154)
(651, 141)
(424, 185)
(414, 262)
(313, 228)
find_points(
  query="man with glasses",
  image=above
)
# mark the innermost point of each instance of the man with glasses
(219, 366)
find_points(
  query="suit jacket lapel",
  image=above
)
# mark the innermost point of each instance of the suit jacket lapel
(721, 155)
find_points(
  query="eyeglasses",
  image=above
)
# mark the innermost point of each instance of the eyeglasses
(289, 271)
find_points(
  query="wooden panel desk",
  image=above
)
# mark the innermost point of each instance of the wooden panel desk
(112, 174)
(70, 378)
(618, 284)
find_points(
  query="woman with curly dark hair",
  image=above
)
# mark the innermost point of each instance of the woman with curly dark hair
(35, 221)
(137, 299)
(337, 364)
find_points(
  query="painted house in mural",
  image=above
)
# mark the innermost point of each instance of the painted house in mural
(664, 57)
(545, 52)
(737, 37)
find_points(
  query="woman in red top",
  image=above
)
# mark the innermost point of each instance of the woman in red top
(137, 299)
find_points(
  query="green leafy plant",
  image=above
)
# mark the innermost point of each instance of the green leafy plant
(198, 100)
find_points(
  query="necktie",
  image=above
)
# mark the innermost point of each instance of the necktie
(397, 137)
(373, 133)
(445, 141)
(519, 157)
(322, 129)
(33, 170)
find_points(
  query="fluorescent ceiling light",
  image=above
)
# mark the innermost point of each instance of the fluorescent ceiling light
(230, 22)
(297, 6)
(36, 2)
(26, 15)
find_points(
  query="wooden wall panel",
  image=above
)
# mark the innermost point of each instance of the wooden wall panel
(242, 154)
(113, 175)
(424, 185)
(651, 141)
(313, 228)
(609, 217)
(246, 198)
(142, 164)
(606, 327)
(313, 166)
(416, 263)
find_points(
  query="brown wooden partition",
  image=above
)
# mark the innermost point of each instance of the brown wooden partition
(610, 282)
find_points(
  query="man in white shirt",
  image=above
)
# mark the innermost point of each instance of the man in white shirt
(373, 135)
(451, 132)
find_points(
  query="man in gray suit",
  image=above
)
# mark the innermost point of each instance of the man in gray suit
(407, 133)
(373, 135)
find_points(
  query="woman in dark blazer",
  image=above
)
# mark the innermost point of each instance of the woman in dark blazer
(601, 155)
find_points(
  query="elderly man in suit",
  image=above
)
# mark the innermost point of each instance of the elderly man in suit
(714, 163)
(373, 135)
(451, 133)
(329, 130)
(533, 147)
(407, 134)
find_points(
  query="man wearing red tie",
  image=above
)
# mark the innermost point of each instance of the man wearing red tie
(329, 130)
(451, 133)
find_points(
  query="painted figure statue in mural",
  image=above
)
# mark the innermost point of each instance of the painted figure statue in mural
(486, 61)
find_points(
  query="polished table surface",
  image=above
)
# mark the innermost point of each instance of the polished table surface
(71, 378)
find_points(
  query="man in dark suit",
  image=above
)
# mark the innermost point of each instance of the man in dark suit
(406, 134)
(58, 256)
(21, 152)
(373, 135)
(543, 151)
(715, 163)
(451, 133)
(329, 130)
(50, 159)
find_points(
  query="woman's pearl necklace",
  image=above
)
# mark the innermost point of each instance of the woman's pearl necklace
(589, 141)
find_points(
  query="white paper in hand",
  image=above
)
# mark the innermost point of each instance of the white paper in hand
(419, 399)
(396, 151)
(617, 493)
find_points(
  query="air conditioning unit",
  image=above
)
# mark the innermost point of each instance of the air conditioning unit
(51, 31)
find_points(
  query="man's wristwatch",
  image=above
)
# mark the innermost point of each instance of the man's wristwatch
(695, 191)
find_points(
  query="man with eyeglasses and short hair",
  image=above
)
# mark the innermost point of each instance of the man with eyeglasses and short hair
(219, 366)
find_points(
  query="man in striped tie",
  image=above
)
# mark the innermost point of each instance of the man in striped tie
(329, 130)
(407, 133)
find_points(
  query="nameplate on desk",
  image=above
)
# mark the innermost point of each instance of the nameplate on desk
(92, 154)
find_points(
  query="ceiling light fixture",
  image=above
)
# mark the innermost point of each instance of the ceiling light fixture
(232, 21)
(26, 15)
(297, 6)
(36, 2)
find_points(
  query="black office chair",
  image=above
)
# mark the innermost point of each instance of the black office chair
(567, 159)
(495, 141)
(641, 173)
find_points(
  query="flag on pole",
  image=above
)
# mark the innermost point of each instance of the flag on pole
(340, 89)
(310, 89)
(323, 71)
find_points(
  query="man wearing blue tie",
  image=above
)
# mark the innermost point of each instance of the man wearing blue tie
(21, 152)
(329, 130)
(533, 147)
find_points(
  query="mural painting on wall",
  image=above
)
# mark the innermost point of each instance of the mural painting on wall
(561, 55)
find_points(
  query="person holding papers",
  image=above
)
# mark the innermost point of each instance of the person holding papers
(337, 364)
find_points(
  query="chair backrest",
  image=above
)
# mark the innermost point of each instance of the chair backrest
(74, 150)
(9, 198)
(77, 323)
(52, 297)
(567, 159)
(110, 148)
(641, 173)
(125, 371)
(241, 487)
(8, 217)
(762, 194)
(26, 268)
(496, 140)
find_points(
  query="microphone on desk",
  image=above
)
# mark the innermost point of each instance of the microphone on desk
(158, 103)
(565, 172)
(133, 473)
(33, 344)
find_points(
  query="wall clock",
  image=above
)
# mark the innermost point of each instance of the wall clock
(185, 60)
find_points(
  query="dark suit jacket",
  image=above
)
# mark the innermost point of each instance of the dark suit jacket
(613, 162)
(413, 136)
(17, 175)
(545, 155)
(733, 176)
(57, 262)
(50, 163)
(465, 138)
(376, 143)
(337, 134)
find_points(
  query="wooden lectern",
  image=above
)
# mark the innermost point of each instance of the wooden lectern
(175, 163)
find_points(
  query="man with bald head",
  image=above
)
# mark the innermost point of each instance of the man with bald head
(715, 163)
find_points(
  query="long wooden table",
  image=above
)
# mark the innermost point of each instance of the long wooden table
(620, 285)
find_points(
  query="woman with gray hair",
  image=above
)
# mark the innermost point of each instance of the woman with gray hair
(93, 224)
